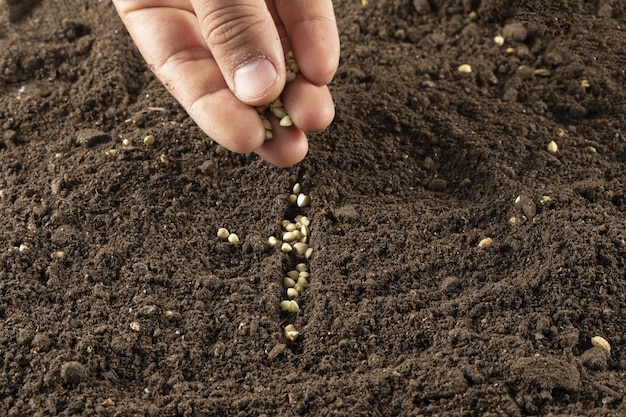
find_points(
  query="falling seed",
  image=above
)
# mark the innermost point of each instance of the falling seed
(222, 233)
(291, 333)
(464, 69)
(233, 238)
(601, 342)
(148, 140)
(485, 242)
(553, 147)
(499, 40)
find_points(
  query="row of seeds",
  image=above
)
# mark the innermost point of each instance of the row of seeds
(295, 242)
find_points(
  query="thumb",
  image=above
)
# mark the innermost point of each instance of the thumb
(244, 41)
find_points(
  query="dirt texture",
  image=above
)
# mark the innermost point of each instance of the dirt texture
(118, 299)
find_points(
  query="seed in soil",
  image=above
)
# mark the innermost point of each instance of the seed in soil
(291, 333)
(464, 69)
(292, 293)
(286, 247)
(553, 147)
(303, 200)
(272, 242)
(233, 238)
(485, 242)
(148, 140)
(222, 233)
(290, 306)
(601, 342)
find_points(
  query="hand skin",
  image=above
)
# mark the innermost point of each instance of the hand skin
(219, 58)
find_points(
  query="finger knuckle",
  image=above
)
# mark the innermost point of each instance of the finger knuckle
(230, 26)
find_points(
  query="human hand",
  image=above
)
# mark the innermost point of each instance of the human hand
(219, 58)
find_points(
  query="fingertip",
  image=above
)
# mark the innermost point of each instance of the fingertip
(310, 106)
(288, 147)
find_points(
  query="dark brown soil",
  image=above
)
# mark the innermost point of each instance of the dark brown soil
(148, 313)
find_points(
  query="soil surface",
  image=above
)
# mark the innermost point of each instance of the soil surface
(118, 299)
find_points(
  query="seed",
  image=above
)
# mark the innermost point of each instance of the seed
(290, 76)
(308, 253)
(111, 152)
(305, 221)
(304, 274)
(281, 114)
(272, 242)
(293, 274)
(302, 282)
(290, 306)
(464, 69)
(304, 230)
(286, 247)
(126, 142)
(553, 147)
(290, 227)
(297, 189)
(300, 248)
(269, 135)
(499, 40)
(485, 242)
(292, 293)
(148, 140)
(288, 282)
(292, 199)
(164, 159)
(303, 200)
(542, 72)
(285, 121)
(222, 233)
(298, 288)
(473, 15)
(135, 326)
(545, 199)
(289, 236)
(302, 267)
(585, 83)
(233, 238)
(59, 254)
(291, 333)
(601, 342)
